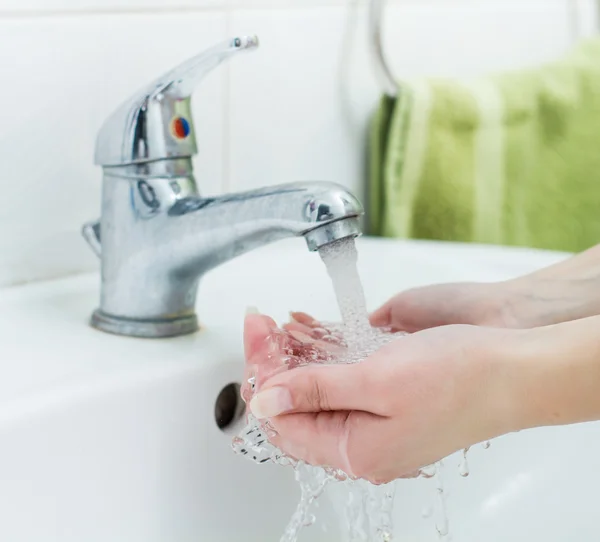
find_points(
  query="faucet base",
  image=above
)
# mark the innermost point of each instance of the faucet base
(145, 329)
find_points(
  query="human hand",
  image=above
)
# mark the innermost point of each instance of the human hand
(413, 402)
(540, 299)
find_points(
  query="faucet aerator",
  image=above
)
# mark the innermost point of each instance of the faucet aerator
(334, 231)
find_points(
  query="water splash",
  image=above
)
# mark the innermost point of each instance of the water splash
(428, 472)
(312, 481)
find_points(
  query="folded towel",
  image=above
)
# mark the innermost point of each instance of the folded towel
(511, 159)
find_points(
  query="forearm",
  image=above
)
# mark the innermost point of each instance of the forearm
(555, 377)
(565, 291)
(582, 266)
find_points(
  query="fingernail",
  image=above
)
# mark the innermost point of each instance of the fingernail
(251, 310)
(303, 318)
(270, 403)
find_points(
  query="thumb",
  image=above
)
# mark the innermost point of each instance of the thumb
(317, 388)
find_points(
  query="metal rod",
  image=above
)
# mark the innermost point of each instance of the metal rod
(382, 69)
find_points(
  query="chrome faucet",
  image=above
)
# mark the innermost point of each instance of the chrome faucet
(157, 236)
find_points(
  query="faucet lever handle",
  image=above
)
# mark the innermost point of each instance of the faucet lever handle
(182, 80)
(91, 233)
(156, 122)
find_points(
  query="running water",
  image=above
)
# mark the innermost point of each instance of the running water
(340, 259)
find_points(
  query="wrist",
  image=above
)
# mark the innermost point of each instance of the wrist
(509, 377)
(552, 375)
(535, 301)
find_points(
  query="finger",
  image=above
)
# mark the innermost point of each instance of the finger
(355, 442)
(307, 324)
(382, 317)
(414, 310)
(332, 346)
(335, 439)
(434, 306)
(270, 350)
(304, 319)
(315, 388)
(420, 308)
(408, 311)
(257, 327)
(265, 343)
(320, 336)
(316, 438)
(295, 326)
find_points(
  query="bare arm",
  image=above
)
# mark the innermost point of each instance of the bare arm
(557, 374)
(582, 266)
(562, 292)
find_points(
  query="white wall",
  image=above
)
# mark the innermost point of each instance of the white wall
(297, 109)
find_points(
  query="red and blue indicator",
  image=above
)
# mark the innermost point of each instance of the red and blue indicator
(180, 127)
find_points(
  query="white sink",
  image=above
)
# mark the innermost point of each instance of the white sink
(105, 438)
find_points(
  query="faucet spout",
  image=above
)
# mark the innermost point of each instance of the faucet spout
(321, 212)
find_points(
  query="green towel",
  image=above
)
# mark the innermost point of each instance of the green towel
(511, 159)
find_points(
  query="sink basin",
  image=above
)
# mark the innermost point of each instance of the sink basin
(105, 438)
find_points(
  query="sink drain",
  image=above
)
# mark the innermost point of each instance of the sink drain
(229, 406)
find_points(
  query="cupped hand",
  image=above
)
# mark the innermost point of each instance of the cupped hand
(543, 298)
(413, 402)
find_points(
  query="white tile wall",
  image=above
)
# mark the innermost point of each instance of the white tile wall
(296, 109)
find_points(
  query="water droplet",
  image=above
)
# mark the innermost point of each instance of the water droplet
(319, 332)
(237, 445)
(310, 520)
(442, 528)
(463, 467)
(441, 523)
(486, 444)
(428, 472)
